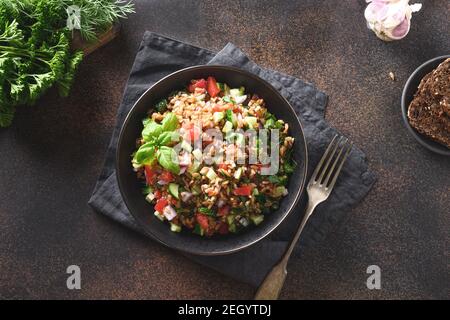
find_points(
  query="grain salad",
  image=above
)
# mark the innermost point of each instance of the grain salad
(196, 159)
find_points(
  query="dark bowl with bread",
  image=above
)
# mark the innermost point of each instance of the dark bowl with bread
(426, 104)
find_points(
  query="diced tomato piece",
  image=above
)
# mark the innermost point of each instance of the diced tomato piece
(199, 83)
(260, 166)
(157, 194)
(202, 221)
(218, 107)
(243, 191)
(194, 133)
(223, 211)
(166, 176)
(150, 175)
(161, 204)
(223, 166)
(211, 87)
(223, 228)
(222, 107)
(174, 201)
(187, 125)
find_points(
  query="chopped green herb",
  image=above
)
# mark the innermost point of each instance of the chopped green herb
(161, 106)
(146, 190)
(289, 166)
(261, 198)
(198, 230)
(207, 211)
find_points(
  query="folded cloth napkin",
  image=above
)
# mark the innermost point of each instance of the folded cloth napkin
(159, 56)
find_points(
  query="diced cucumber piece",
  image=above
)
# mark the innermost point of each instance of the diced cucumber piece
(279, 191)
(230, 219)
(159, 216)
(217, 116)
(173, 189)
(195, 190)
(150, 196)
(226, 89)
(234, 120)
(194, 166)
(235, 93)
(240, 99)
(186, 146)
(198, 155)
(227, 127)
(237, 173)
(174, 227)
(251, 121)
(211, 174)
(257, 219)
(232, 228)
(227, 99)
(243, 221)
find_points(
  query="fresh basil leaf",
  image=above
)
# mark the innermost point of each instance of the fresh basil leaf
(168, 137)
(151, 130)
(168, 159)
(170, 122)
(145, 153)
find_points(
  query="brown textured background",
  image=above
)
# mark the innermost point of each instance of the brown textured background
(51, 156)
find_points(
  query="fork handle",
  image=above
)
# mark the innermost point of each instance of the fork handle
(271, 287)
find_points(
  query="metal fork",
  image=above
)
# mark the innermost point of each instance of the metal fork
(319, 188)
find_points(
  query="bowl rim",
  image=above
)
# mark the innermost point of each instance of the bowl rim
(423, 140)
(239, 247)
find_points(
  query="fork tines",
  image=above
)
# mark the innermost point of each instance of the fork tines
(333, 159)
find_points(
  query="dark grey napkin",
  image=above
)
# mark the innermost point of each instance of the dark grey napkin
(159, 56)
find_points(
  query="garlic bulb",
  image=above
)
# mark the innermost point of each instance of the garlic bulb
(390, 19)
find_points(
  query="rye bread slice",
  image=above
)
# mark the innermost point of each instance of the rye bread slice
(429, 111)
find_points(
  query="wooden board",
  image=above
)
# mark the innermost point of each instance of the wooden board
(88, 47)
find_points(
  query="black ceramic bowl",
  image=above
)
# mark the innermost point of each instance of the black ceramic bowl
(130, 187)
(408, 93)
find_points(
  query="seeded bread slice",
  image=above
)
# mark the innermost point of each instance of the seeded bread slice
(429, 111)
